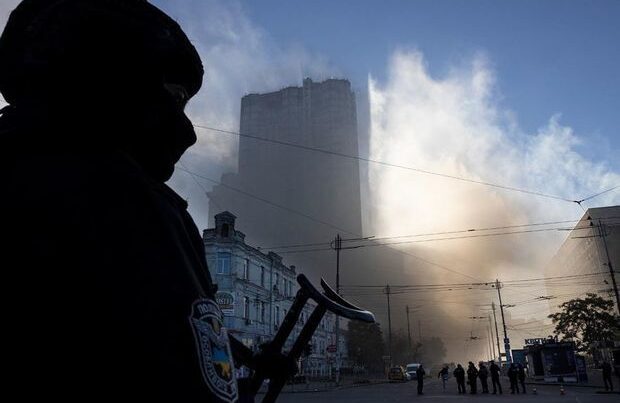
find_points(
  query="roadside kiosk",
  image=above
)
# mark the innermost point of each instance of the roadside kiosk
(552, 361)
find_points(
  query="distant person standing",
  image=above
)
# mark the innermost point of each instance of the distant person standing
(472, 378)
(459, 375)
(483, 374)
(609, 386)
(495, 371)
(521, 376)
(512, 376)
(443, 374)
(420, 372)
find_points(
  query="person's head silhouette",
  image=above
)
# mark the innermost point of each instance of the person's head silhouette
(99, 75)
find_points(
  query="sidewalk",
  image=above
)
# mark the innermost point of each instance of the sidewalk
(595, 380)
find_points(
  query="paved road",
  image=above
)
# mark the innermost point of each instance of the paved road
(406, 392)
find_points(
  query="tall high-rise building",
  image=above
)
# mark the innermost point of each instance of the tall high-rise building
(283, 194)
(589, 249)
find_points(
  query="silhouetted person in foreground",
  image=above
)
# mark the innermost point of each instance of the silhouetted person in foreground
(420, 372)
(107, 290)
(459, 375)
(495, 373)
(472, 378)
(521, 376)
(512, 376)
(607, 376)
(483, 374)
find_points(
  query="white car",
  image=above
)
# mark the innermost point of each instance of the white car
(411, 371)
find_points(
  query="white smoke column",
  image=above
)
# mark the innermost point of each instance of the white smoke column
(453, 125)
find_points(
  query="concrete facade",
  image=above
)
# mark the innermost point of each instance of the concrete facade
(585, 251)
(318, 115)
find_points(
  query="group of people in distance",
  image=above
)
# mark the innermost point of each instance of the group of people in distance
(516, 375)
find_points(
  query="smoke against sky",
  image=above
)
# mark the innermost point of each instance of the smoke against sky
(6, 6)
(239, 58)
(457, 125)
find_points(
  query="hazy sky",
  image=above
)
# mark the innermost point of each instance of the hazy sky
(550, 56)
(523, 93)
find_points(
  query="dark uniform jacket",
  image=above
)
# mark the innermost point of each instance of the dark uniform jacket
(494, 369)
(459, 373)
(472, 373)
(106, 291)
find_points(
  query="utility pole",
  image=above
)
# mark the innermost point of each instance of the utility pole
(492, 345)
(387, 291)
(408, 328)
(420, 330)
(338, 246)
(506, 339)
(603, 233)
(499, 350)
(489, 342)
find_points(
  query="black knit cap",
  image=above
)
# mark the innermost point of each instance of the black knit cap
(67, 48)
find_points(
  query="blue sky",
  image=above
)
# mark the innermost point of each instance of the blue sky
(549, 56)
(522, 93)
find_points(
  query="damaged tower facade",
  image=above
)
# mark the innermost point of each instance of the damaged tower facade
(287, 195)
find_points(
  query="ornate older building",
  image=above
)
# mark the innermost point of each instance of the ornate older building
(255, 291)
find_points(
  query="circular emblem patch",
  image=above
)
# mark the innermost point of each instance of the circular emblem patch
(213, 348)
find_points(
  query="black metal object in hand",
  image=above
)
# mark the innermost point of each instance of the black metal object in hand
(328, 300)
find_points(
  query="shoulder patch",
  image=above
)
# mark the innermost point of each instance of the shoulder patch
(213, 349)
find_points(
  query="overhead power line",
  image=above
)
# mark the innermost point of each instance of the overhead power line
(369, 245)
(470, 230)
(461, 285)
(266, 201)
(388, 164)
(293, 211)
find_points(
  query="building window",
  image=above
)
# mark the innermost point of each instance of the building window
(262, 312)
(225, 231)
(246, 269)
(262, 276)
(246, 308)
(277, 321)
(223, 263)
(276, 282)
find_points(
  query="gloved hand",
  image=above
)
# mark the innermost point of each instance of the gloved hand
(273, 364)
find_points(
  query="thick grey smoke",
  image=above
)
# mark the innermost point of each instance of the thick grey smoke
(6, 6)
(453, 125)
